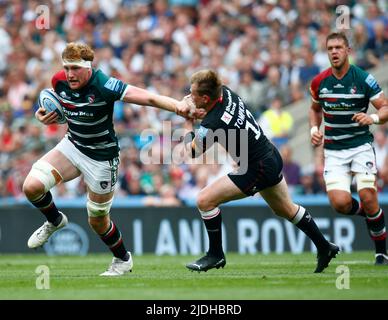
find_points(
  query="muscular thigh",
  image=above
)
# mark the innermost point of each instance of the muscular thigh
(222, 190)
(99, 176)
(340, 165)
(59, 161)
(279, 199)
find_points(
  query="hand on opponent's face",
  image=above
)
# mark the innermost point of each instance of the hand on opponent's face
(188, 110)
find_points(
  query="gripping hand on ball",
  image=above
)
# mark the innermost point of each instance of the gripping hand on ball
(46, 118)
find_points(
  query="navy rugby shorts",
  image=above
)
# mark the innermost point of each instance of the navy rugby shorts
(262, 173)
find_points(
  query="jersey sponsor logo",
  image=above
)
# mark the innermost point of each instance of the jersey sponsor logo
(226, 117)
(112, 84)
(371, 81)
(231, 106)
(325, 90)
(353, 90)
(338, 86)
(75, 94)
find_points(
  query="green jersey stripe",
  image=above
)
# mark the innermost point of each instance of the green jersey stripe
(376, 96)
(341, 113)
(342, 96)
(341, 125)
(124, 92)
(96, 146)
(88, 123)
(93, 135)
(344, 136)
(80, 105)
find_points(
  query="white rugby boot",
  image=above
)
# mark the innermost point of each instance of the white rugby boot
(41, 235)
(118, 267)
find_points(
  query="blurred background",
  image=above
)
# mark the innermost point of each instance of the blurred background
(267, 51)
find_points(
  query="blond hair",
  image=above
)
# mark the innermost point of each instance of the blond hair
(208, 83)
(77, 51)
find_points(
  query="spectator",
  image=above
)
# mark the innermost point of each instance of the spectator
(262, 49)
(276, 123)
(291, 169)
(377, 47)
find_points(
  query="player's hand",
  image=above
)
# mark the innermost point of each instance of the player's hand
(195, 113)
(185, 109)
(46, 118)
(363, 119)
(317, 138)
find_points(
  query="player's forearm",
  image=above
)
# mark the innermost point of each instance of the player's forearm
(382, 115)
(145, 98)
(315, 118)
(163, 102)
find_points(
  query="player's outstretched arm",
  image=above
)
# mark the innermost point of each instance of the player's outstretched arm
(143, 97)
(381, 117)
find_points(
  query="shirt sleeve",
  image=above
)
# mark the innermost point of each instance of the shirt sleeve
(314, 88)
(111, 88)
(373, 89)
(203, 140)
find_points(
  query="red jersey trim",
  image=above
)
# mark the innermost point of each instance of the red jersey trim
(317, 81)
(59, 76)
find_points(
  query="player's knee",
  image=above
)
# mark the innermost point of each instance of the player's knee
(368, 199)
(365, 181)
(99, 224)
(203, 202)
(32, 188)
(45, 177)
(341, 205)
(96, 209)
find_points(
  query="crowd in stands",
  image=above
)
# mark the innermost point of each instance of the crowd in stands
(265, 50)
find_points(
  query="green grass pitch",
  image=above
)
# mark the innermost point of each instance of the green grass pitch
(245, 277)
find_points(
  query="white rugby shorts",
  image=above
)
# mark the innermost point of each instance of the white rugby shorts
(344, 163)
(99, 176)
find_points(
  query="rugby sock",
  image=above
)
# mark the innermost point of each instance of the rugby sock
(112, 238)
(213, 222)
(356, 209)
(305, 222)
(376, 226)
(46, 205)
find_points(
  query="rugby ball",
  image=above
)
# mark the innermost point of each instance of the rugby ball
(49, 100)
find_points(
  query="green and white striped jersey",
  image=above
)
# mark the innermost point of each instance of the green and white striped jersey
(340, 99)
(89, 113)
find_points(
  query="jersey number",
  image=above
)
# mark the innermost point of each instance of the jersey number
(252, 124)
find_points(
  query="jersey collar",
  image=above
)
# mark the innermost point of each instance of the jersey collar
(214, 103)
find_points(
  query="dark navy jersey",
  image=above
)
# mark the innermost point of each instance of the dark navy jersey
(231, 124)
